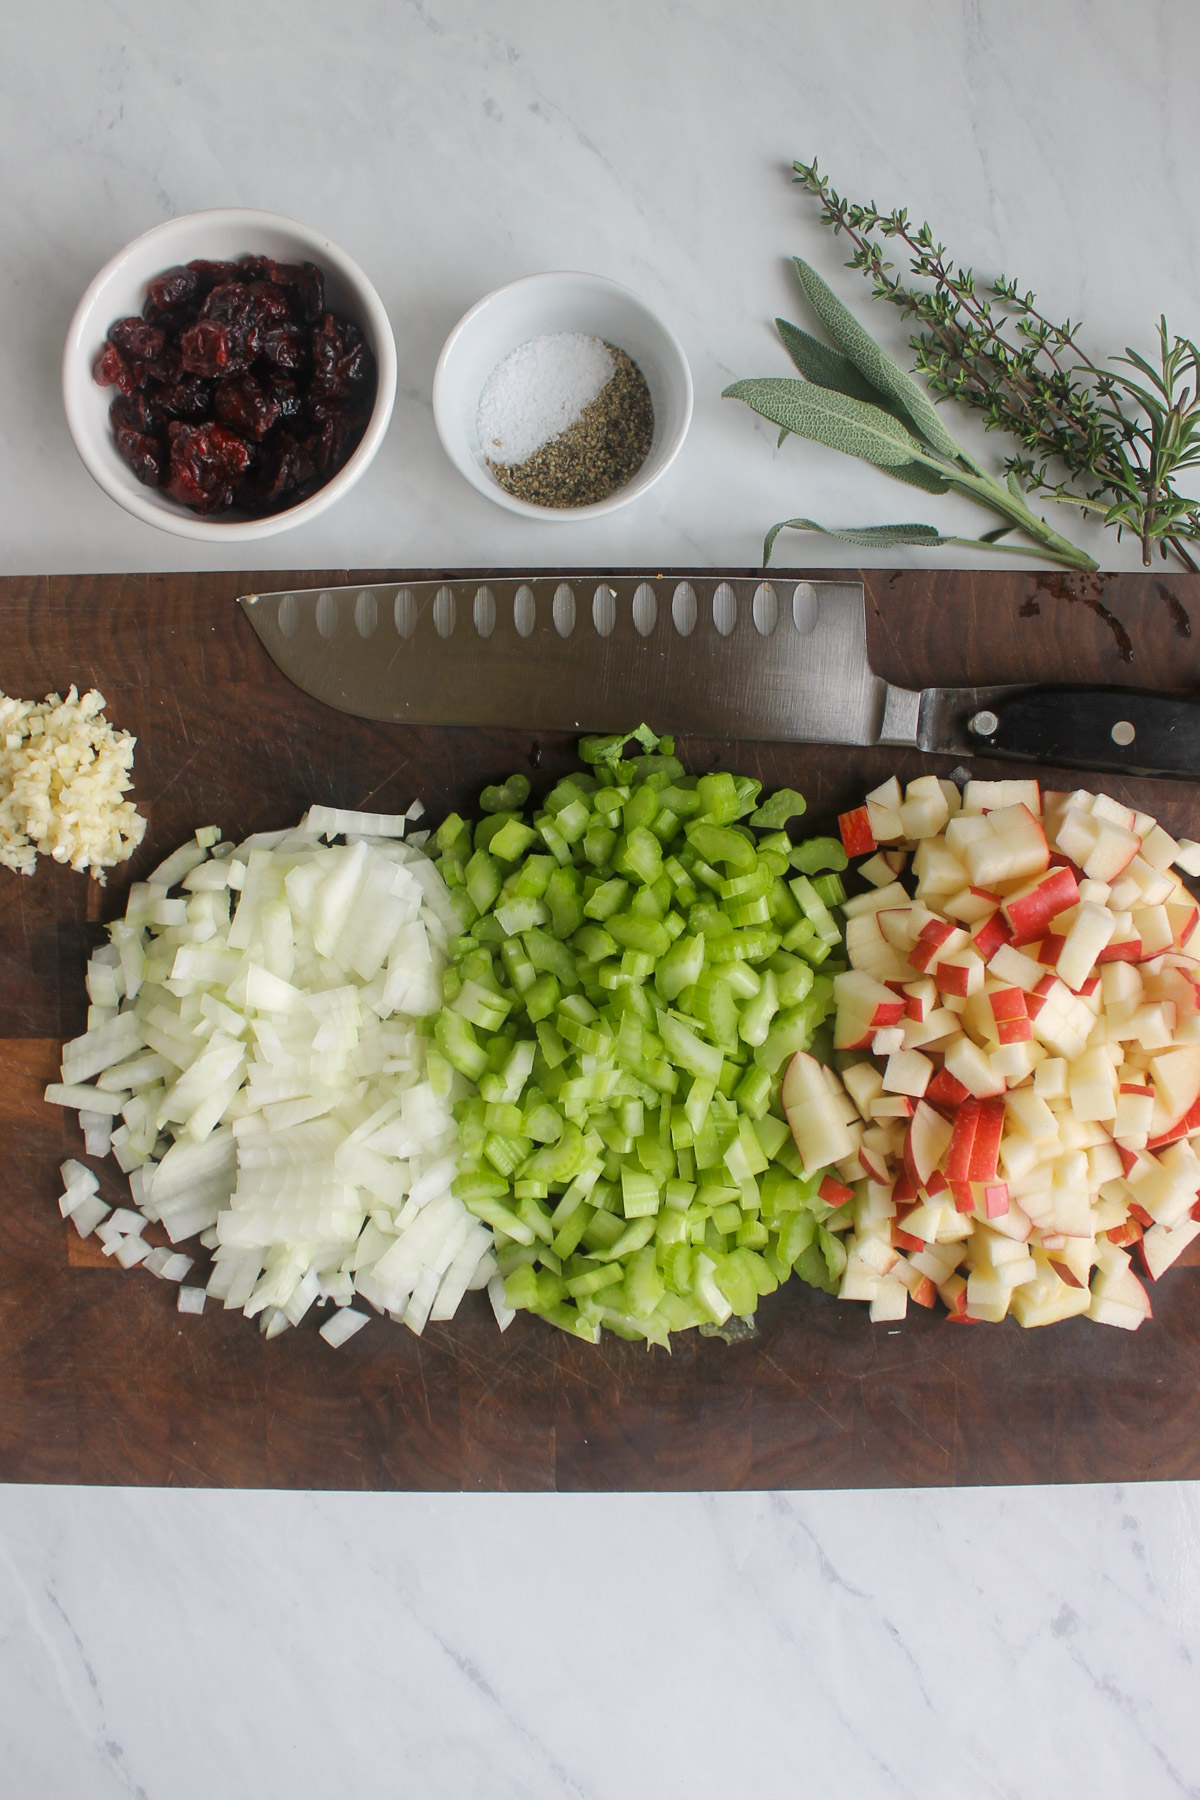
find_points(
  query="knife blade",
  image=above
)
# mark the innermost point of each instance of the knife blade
(715, 654)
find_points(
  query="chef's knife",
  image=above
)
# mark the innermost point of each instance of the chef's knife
(718, 655)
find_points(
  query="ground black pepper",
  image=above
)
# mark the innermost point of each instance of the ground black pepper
(599, 453)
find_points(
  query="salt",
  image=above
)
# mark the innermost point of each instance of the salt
(538, 391)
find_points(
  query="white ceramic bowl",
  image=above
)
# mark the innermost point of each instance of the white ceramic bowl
(119, 290)
(540, 304)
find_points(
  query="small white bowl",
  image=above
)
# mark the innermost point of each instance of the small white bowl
(119, 291)
(542, 304)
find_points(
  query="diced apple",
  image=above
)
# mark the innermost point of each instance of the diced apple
(1114, 849)
(1093, 1086)
(878, 900)
(1187, 856)
(1160, 1247)
(820, 1135)
(855, 828)
(1031, 907)
(968, 1064)
(863, 1083)
(1015, 968)
(937, 869)
(890, 1303)
(907, 1072)
(986, 796)
(925, 810)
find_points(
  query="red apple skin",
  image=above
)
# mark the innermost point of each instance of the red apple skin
(985, 1144)
(1029, 914)
(957, 1161)
(1065, 1272)
(937, 1184)
(924, 1294)
(904, 1240)
(922, 954)
(936, 931)
(834, 1192)
(991, 935)
(857, 836)
(906, 1190)
(1139, 1213)
(1125, 1235)
(1015, 1031)
(1128, 950)
(1007, 1004)
(946, 1092)
(995, 1199)
(1049, 950)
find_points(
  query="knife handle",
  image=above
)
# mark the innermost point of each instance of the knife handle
(1119, 728)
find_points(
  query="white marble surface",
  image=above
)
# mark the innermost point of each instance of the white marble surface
(1010, 1645)
(1016, 1644)
(452, 145)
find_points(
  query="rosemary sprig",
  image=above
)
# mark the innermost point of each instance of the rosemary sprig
(1093, 436)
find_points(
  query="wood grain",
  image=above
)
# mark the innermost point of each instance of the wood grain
(102, 1381)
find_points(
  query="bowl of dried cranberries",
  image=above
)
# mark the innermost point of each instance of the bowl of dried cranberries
(228, 375)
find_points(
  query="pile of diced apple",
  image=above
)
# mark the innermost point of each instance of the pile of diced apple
(1022, 1112)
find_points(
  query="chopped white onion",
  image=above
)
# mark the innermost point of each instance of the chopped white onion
(342, 1325)
(253, 1047)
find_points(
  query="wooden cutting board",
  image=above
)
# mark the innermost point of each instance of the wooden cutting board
(101, 1380)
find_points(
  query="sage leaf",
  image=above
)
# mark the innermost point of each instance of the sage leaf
(886, 376)
(865, 537)
(922, 476)
(830, 418)
(829, 368)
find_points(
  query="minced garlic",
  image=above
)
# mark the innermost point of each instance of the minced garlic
(63, 770)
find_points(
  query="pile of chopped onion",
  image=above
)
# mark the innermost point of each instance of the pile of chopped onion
(63, 770)
(262, 1081)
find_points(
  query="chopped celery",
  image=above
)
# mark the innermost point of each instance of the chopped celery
(512, 795)
(774, 813)
(633, 971)
(818, 853)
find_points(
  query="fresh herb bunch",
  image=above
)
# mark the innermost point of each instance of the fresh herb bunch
(1121, 441)
(854, 398)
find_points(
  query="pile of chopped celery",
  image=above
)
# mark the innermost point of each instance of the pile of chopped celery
(640, 959)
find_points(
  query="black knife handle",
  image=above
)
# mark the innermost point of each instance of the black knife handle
(1118, 728)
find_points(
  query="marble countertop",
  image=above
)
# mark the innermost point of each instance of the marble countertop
(1014, 1643)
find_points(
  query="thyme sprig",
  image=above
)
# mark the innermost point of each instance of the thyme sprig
(1093, 436)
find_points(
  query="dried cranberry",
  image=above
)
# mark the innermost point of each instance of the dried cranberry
(286, 396)
(340, 425)
(211, 274)
(241, 402)
(170, 291)
(138, 412)
(286, 346)
(137, 341)
(190, 397)
(249, 344)
(271, 304)
(206, 461)
(343, 366)
(311, 290)
(111, 370)
(285, 471)
(234, 306)
(143, 454)
(206, 348)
